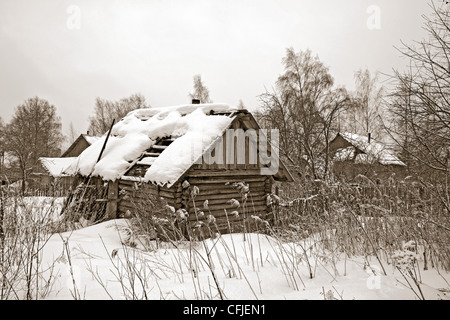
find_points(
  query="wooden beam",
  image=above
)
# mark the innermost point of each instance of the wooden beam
(113, 196)
(158, 147)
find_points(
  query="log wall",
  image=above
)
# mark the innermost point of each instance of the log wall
(217, 188)
(134, 195)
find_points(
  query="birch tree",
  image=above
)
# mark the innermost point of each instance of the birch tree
(304, 106)
(366, 112)
(33, 132)
(107, 110)
(201, 92)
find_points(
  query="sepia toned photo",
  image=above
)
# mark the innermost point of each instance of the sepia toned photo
(235, 152)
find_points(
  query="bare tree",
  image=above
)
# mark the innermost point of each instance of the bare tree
(34, 132)
(201, 92)
(2, 147)
(107, 110)
(70, 136)
(421, 99)
(366, 111)
(304, 107)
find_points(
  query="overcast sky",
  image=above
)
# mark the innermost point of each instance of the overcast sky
(70, 52)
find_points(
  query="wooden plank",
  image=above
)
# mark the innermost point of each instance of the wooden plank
(159, 147)
(113, 196)
(151, 154)
(131, 179)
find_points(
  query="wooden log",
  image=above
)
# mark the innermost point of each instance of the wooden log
(225, 189)
(224, 225)
(164, 188)
(128, 203)
(147, 193)
(224, 201)
(228, 207)
(157, 191)
(215, 201)
(143, 185)
(259, 211)
(252, 186)
(228, 183)
(143, 199)
(223, 180)
(195, 172)
(227, 196)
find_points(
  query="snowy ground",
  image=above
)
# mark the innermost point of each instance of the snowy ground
(93, 263)
(258, 267)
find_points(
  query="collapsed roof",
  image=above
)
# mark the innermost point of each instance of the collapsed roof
(196, 127)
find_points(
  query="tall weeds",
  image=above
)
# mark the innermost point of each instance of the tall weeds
(25, 229)
(369, 218)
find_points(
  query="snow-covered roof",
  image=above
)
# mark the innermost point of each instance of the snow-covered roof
(373, 151)
(193, 125)
(89, 139)
(56, 166)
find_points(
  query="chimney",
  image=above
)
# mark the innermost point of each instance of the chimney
(368, 137)
(195, 101)
(87, 132)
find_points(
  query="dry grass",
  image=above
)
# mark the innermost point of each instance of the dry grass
(317, 224)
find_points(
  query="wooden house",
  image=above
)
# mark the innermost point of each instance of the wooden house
(79, 145)
(49, 177)
(353, 154)
(197, 157)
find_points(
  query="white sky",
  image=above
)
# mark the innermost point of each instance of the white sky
(155, 47)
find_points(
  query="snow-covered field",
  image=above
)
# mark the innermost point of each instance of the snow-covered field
(94, 263)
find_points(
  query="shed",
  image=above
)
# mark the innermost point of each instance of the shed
(48, 177)
(217, 151)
